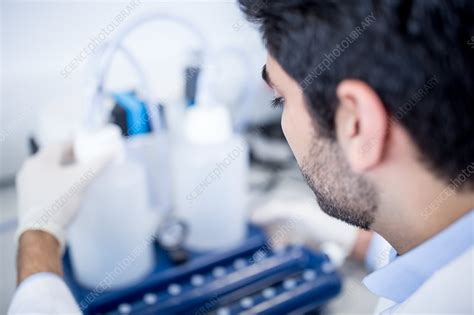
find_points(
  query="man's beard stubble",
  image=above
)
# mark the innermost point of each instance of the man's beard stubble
(340, 192)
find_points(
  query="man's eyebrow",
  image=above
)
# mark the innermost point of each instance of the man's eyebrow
(265, 76)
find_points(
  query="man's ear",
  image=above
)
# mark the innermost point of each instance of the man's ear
(362, 124)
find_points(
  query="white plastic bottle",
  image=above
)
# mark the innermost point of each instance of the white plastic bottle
(209, 167)
(110, 239)
(152, 151)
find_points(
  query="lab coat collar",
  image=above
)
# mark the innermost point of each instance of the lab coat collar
(406, 273)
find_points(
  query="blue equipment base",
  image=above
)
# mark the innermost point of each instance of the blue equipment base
(249, 279)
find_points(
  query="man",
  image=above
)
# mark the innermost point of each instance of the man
(377, 109)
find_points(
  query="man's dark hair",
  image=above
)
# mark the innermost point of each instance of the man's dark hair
(417, 55)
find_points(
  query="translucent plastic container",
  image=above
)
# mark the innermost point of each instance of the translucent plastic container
(152, 151)
(209, 189)
(110, 240)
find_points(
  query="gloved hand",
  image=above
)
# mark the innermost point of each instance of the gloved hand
(50, 185)
(300, 220)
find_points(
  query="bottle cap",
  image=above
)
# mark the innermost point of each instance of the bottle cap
(208, 125)
(91, 144)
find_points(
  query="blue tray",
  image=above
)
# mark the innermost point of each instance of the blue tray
(251, 278)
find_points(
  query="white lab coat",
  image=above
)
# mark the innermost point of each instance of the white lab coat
(448, 291)
(43, 293)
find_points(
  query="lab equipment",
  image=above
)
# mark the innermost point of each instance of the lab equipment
(191, 75)
(209, 166)
(96, 115)
(171, 235)
(114, 217)
(207, 134)
(130, 114)
(250, 278)
(147, 146)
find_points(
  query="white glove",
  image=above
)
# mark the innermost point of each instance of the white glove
(49, 191)
(290, 220)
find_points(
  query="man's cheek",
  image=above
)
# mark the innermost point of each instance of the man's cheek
(292, 133)
(286, 127)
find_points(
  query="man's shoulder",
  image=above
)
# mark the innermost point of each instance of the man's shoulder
(449, 290)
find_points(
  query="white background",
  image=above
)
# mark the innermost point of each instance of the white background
(39, 38)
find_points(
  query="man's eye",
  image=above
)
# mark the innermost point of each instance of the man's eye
(278, 102)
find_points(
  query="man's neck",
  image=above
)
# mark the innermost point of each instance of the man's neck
(410, 222)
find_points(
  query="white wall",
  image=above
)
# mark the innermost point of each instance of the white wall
(39, 38)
